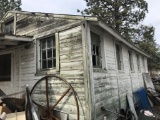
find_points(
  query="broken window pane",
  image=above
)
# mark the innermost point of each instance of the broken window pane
(97, 50)
(96, 58)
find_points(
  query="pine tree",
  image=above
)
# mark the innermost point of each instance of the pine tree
(122, 15)
(6, 5)
(125, 16)
(148, 44)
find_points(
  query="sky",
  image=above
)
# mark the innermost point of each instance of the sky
(70, 7)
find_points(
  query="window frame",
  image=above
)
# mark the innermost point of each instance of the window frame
(131, 62)
(103, 61)
(52, 70)
(138, 62)
(121, 56)
(144, 63)
(98, 62)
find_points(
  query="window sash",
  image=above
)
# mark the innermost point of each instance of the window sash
(47, 53)
(118, 56)
(138, 63)
(130, 60)
(96, 52)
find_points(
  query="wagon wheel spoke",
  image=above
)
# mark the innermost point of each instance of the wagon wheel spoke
(54, 117)
(60, 98)
(47, 94)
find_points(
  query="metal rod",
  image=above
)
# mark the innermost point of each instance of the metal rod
(6, 96)
(107, 110)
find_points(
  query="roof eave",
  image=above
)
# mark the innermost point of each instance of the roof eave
(118, 37)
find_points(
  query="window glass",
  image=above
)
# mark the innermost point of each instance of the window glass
(48, 53)
(130, 60)
(138, 62)
(96, 56)
(118, 56)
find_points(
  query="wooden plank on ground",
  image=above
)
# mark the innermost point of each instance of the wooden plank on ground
(148, 81)
(131, 106)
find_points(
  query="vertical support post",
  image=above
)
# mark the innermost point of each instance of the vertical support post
(57, 51)
(88, 72)
(15, 20)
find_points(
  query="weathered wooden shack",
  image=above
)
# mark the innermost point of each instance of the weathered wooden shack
(99, 63)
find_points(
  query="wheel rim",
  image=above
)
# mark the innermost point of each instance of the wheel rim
(48, 109)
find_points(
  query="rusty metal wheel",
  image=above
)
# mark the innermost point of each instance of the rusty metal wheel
(46, 88)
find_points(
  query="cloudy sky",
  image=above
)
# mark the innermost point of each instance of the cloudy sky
(71, 6)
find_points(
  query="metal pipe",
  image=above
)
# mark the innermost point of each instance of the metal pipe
(6, 96)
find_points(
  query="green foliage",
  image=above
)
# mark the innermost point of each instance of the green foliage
(6, 5)
(147, 43)
(122, 15)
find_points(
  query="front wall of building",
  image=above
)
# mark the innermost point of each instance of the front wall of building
(26, 66)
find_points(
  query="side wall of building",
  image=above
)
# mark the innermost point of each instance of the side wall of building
(110, 84)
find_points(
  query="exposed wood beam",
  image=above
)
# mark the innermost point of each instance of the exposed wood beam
(65, 16)
(2, 46)
(16, 38)
(58, 29)
(8, 43)
(15, 19)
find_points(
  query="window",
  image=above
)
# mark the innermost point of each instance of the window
(130, 60)
(9, 27)
(138, 62)
(119, 56)
(47, 53)
(96, 52)
(143, 60)
(5, 67)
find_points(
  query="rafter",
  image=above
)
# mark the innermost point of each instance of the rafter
(8, 43)
(16, 38)
(2, 46)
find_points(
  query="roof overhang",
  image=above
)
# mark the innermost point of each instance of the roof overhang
(13, 40)
(40, 14)
(117, 36)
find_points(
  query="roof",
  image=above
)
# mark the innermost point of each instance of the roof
(90, 19)
(67, 16)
